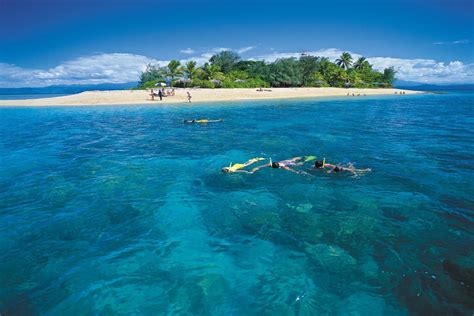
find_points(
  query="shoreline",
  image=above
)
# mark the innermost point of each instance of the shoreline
(142, 97)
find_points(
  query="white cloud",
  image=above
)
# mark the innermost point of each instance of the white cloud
(463, 41)
(420, 70)
(121, 68)
(331, 53)
(204, 57)
(219, 49)
(96, 69)
(187, 51)
(426, 70)
(244, 49)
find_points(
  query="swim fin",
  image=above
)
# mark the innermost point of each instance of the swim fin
(308, 158)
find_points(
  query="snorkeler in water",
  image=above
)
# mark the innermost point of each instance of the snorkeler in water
(286, 164)
(202, 121)
(350, 168)
(238, 167)
(322, 164)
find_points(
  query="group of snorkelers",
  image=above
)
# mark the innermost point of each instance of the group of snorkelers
(287, 164)
(291, 165)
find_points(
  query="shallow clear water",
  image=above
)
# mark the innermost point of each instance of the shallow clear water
(124, 210)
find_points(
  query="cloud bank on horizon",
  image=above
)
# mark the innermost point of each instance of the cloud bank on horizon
(123, 67)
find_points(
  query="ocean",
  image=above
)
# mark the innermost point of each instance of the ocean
(120, 210)
(30, 96)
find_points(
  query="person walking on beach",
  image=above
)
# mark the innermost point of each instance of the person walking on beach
(189, 97)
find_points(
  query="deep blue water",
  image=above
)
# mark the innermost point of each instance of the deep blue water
(124, 210)
(29, 96)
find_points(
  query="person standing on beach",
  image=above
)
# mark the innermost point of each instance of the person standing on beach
(160, 94)
(189, 97)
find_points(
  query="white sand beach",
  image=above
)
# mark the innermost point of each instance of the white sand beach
(142, 97)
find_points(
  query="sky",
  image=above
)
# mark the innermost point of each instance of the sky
(51, 42)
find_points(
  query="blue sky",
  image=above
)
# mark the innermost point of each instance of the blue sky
(92, 41)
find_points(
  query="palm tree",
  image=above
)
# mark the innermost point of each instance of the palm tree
(174, 69)
(213, 72)
(345, 61)
(361, 63)
(190, 69)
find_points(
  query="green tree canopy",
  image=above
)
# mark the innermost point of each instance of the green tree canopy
(152, 74)
(285, 72)
(225, 69)
(174, 69)
(335, 76)
(213, 72)
(225, 60)
(190, 69)
(309, 65)
(389, 75)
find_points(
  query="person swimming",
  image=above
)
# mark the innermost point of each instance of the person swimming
(321, 164)
(350, 168)
(238, 167)
(337, 169)
(318, 164)
(202, 121)
(286, 164)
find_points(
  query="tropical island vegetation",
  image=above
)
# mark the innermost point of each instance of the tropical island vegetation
(227, 70)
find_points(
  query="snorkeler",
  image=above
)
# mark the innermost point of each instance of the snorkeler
(285, 164)
(350, 168)
(203, 121)
(238, 167)
(322, 164)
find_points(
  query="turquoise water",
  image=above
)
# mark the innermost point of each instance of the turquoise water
(124, 210)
